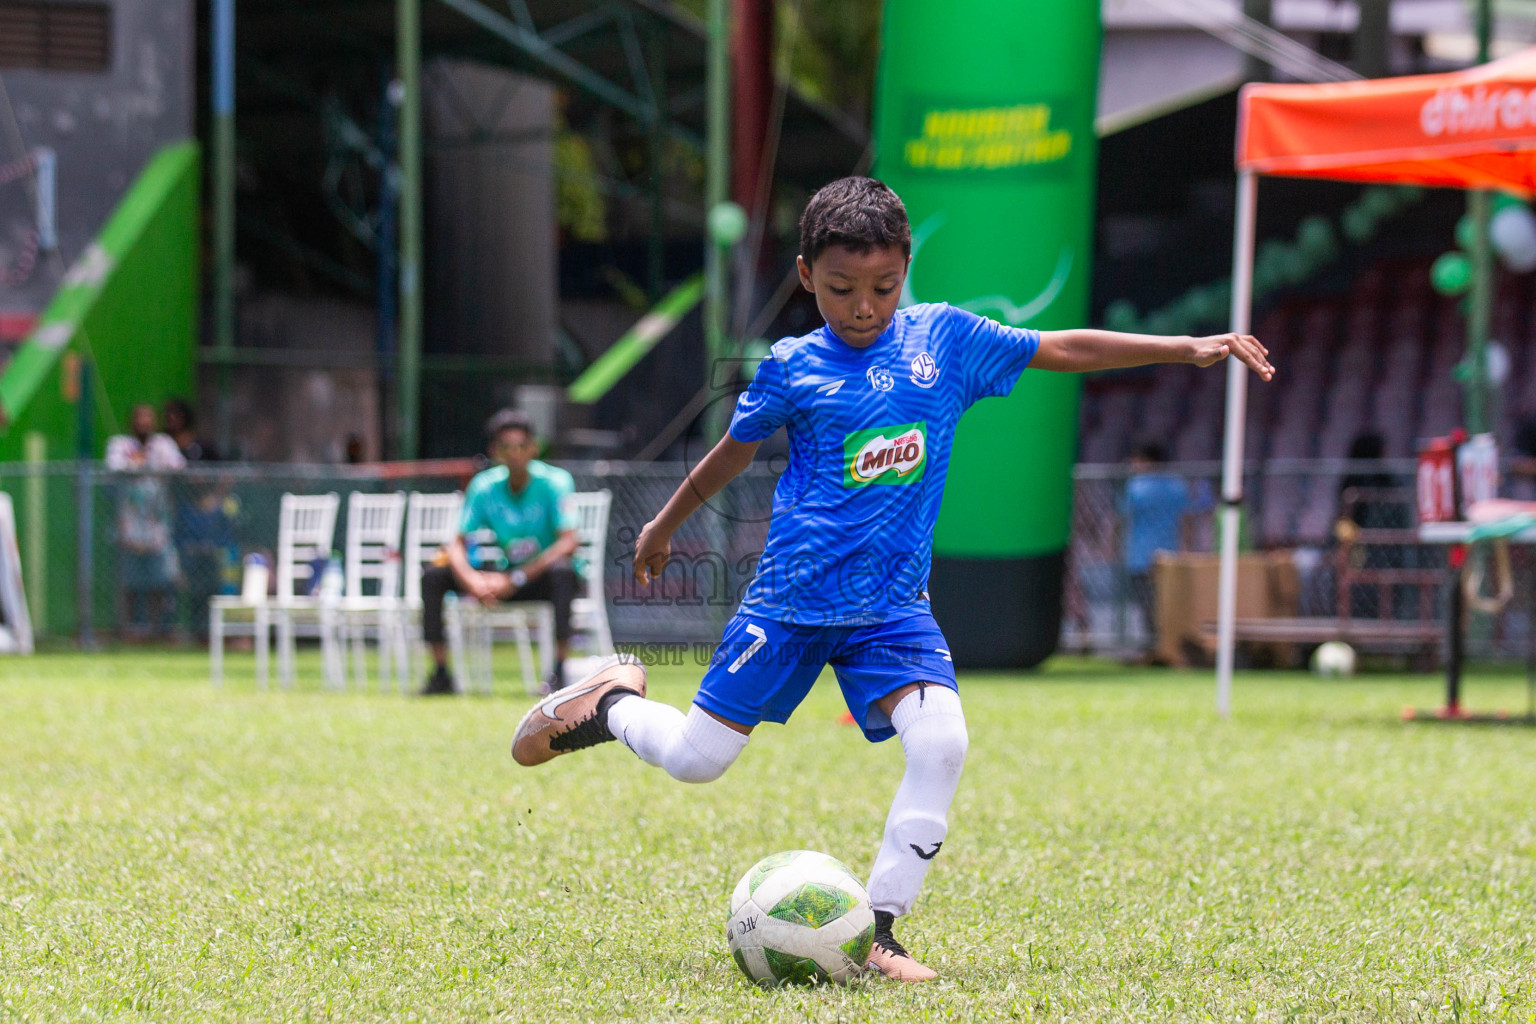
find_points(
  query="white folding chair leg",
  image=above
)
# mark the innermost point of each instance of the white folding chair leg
(386, 652)
(392, 639)
(216, 645)
(457, 644)
(338, 654)
(405, 649)
(408, 646)
(474, 631)
(327, 655)
(385, 619)
(525, 662)
(285, 649)
(263, 645)
(333, 653)
(600, 630)
(360, 654)
(547, 653)
(410, 639)
(484, 674)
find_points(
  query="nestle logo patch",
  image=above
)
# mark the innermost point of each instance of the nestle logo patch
(885, 455)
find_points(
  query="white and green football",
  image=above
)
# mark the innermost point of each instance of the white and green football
(800, 917)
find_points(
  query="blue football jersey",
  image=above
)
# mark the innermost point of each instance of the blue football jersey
(870, 431)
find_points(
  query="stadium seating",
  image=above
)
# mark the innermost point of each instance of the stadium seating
(1378, 358)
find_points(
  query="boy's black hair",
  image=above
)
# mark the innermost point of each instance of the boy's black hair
(508, 419)
(860, 213)
(1151, 451)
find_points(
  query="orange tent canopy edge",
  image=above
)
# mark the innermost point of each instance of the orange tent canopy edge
(1463, 129)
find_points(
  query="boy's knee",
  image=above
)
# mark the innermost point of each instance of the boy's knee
(932, 730)
(687, 763)
(696, 770)
(703, 749)
(941, 744)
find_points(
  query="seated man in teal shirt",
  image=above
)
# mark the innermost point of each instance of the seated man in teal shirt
(517, 535)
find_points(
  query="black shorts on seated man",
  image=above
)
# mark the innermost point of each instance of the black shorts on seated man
(517, 536)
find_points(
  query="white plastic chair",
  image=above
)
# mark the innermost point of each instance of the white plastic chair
(476, 624)
(373, 556)
(306, 535)
(431, 523)
(306, 529)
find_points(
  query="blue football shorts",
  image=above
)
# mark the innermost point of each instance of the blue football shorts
(763, 668)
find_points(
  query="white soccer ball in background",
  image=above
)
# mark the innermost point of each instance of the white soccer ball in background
(1334, 659)
(800, 917)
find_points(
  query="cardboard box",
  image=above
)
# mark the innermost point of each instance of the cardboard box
(1268, 587)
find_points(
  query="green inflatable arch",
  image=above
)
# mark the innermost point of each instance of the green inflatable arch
(984, 126)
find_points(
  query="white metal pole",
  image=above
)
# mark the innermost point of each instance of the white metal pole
(1232, 452)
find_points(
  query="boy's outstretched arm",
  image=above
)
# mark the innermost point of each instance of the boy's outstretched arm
(653, 548)
(1079, 351)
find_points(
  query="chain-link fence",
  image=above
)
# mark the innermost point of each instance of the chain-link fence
(117, 555)
(1332, 548)
(110, 555)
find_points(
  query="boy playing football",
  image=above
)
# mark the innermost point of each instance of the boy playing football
(870, 402)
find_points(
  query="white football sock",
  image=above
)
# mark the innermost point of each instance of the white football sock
(932, 731)
(692, 747)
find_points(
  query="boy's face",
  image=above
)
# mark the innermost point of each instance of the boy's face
(857, 292)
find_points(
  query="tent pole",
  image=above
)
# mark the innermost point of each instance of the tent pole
(1479, 312)
(407, 365)
(1477, 414)
(222, 101)
(717, 182)
(1232, 452)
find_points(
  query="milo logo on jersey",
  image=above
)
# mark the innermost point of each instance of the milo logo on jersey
(885, 455)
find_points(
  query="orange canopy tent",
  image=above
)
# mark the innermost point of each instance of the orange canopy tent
(1466, 129)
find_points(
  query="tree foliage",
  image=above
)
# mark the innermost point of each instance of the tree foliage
(828, 48)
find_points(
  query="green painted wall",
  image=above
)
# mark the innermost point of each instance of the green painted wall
(129, 308)
(984, 127)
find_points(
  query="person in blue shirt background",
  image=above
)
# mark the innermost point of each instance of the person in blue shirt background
(1152, 511)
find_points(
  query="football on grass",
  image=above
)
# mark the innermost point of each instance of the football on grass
(1334, 659)
(800, 917)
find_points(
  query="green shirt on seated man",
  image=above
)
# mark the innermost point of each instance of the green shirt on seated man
(516, 542)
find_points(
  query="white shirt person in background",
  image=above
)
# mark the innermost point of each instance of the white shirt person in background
(144, 447)
(148, 570)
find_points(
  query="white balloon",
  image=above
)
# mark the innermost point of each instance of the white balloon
(1513, 234)
(1496, 363)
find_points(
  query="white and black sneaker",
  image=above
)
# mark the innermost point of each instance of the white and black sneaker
(576, 717)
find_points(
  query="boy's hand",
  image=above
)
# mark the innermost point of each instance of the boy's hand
(653, 550)
(1206, 351)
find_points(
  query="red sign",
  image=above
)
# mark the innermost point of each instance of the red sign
(1437, 481)
(16, 326)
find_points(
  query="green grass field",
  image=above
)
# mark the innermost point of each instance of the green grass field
(169, 852)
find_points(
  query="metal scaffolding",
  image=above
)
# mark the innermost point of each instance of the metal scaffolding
(646, 61)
